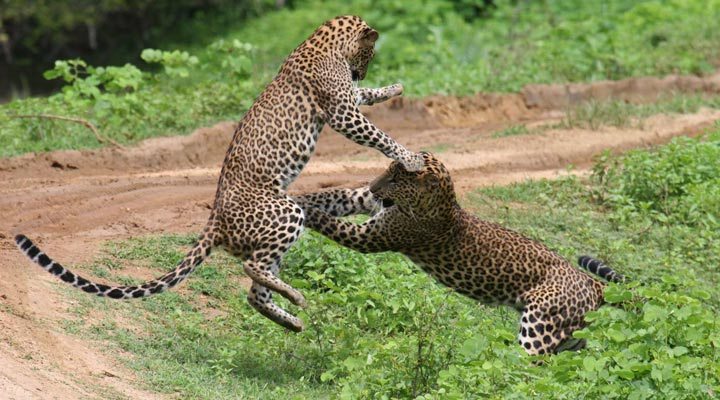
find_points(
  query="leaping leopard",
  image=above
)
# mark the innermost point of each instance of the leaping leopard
(416, 214)
(253, 218)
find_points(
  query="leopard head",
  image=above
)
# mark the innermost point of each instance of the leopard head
(353, 38)
(361, 52)
(425, 193)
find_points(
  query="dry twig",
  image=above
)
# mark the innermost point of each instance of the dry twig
(80, 121)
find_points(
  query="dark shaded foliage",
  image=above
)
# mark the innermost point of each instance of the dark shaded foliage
(34, 34)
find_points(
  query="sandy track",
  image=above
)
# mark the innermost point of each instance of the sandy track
(71, 202)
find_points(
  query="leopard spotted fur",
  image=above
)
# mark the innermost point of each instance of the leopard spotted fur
(416, 214)
(253, 218)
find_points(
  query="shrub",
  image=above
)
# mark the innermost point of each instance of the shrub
(675, 182)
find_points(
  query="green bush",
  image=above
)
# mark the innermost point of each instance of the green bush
(104, 31)
(377, 327)
(660, 344)
(677, 182)
(127, 104)
(431, 46)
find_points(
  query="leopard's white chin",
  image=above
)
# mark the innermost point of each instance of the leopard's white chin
(381, 205)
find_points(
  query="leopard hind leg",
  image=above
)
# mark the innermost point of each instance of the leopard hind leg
(260, 298)
(268, 228)
(546, 326)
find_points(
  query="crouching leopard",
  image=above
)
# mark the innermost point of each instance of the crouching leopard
(253, 217)
(416, 214)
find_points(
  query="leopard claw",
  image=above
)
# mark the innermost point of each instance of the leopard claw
(298, 299)
(396, 90)
(302, 304)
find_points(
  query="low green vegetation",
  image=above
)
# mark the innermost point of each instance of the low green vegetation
(618, 113)
(679, 183)
(514, 130)
(431, 46)
(377, 327)
(34, 34)
(439, 148)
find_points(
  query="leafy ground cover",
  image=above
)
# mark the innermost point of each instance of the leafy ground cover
(617, 113)
(377, 327)
(432, 46)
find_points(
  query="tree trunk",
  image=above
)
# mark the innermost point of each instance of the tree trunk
(92, 35)
(6, 46)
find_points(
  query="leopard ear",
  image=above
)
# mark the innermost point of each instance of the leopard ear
(369, 34)
(429, 182)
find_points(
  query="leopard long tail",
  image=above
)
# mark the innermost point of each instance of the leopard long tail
(194, 257)
(598, 268)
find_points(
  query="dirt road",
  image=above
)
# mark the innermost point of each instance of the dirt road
(71, 202)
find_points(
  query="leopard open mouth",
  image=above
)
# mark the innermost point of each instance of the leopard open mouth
(387, 203)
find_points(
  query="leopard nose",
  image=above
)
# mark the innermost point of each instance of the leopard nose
(378, 183)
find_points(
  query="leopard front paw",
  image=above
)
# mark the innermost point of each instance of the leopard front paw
(414, 163)
(395, 90)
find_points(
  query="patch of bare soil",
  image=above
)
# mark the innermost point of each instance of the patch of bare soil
(73, 201)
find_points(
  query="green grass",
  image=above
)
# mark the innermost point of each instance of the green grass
(514, 130)
(377, 327)
(438, 148)
(176, 346)
(428, 46)
(617, 113)
(594, 114)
